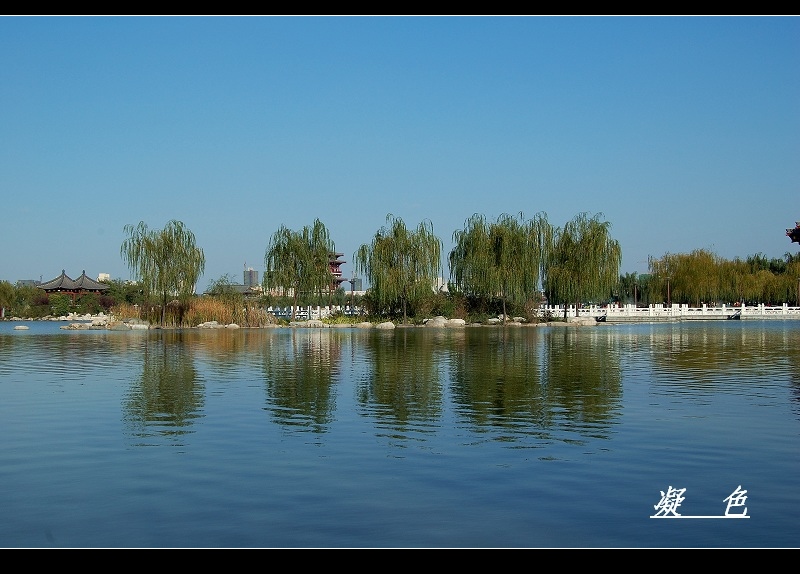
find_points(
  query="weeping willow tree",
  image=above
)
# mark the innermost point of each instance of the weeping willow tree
(401, 265)
(322, 248)
(6, 297)
(663, 273)
(694, 277)
(584, 262)
(166, 262)
(299, 261)
(704, 277)
(502, 260)
(628, 286)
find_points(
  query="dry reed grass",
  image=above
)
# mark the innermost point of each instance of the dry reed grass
(199, 310)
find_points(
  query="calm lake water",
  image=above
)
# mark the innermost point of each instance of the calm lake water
(418, 437)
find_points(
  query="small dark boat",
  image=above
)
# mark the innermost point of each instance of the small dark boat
(737, 315)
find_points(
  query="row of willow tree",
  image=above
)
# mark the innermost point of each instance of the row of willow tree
(703, 277)
(507, 266)
(511, 265)
(497, 266)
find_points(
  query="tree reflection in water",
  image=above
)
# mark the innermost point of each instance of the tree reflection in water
(402, 387)
(169, 394)
(298, 372)
(533, 381)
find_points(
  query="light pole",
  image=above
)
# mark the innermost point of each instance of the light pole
(352, 295)
(634, 296)
(669, 299)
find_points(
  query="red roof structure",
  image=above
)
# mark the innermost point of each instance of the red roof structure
(794, 234)
(335, 263)
(72, 287)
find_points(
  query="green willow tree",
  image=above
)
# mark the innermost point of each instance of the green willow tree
(694, 277)
(167, 262)
(584, 261)
(501, 260)
(628, 287)
(6, 297)
(299, 261)
(704, 277)
(401, 265)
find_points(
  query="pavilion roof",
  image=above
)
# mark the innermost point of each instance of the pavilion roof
(88, 284)
(794, 234)
(64, 283)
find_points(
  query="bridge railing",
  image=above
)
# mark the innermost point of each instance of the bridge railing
(302, 313)
(674, 311)
(625, 312)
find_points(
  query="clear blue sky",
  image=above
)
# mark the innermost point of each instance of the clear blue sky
(683, 132)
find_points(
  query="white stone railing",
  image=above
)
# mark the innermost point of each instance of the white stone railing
(657, 312)
(313, 312)
(675, 311)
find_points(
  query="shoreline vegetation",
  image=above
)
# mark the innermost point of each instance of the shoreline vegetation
(321, 318)
(512, 270)
(112, 323)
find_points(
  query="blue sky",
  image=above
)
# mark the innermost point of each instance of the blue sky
(683, 132)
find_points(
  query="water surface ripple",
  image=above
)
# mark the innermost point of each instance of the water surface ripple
(474, 437)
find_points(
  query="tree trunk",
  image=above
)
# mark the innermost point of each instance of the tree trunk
(404, 305)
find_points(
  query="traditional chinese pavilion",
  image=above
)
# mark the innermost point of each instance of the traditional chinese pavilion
(72, 287)
(794, 234)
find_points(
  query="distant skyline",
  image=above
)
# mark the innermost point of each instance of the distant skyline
(684, 132)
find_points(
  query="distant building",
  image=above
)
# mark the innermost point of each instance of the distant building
(27, 283)
(250, 277)
(103, 277)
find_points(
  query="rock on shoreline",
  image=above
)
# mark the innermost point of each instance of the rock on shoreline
(102, 321)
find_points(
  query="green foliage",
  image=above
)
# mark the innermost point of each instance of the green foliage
(694, 277)
(88, 303)
(627, 289)
(223, 289)
(776, 265)
(338, 318)
(299, 262)
(703, 277)
(167, 262)
(401, 265)
(6, 295)
(584, 262)
(339, 297)
(500, 260)
(31, 302)
(127, 292)
(60, 304)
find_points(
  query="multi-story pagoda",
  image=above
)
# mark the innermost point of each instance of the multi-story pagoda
(72, 287)
(335, 263)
